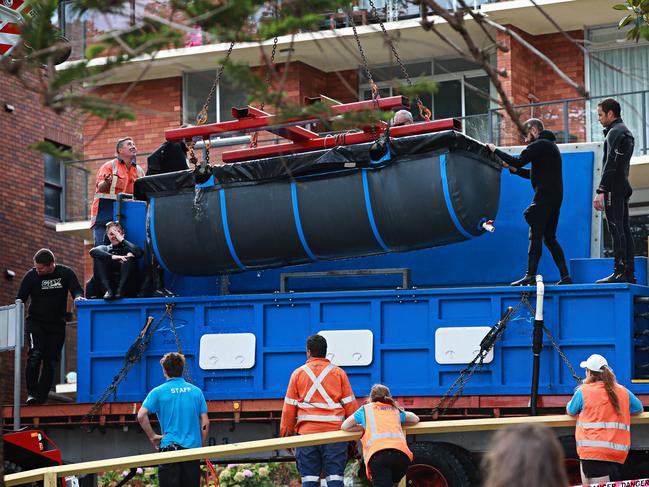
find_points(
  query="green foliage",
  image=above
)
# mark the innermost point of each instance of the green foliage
(47, 147)
(257, 475)
(418, 88)
(145, 477)
(637, 17)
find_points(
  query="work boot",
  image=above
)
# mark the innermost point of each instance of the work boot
(612, 279)
(527, 280)
(564, 280)
(31, 400)
(109, 296)
(630, 278)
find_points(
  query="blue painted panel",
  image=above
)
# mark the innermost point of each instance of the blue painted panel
(286, 326)
(405, 322)
(345, 312)
(584, 319)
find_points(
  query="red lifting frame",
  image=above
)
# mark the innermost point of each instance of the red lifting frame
(302, 140)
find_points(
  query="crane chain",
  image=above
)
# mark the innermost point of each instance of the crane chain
(255, 136)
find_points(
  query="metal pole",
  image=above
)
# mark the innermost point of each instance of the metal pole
(645, 129)
(537, 344)
(566, 123)
(18, 350)
(490, 126)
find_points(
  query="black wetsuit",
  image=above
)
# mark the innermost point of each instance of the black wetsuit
(543, 214)
(109, 274)
(618, 149)
(46, 324)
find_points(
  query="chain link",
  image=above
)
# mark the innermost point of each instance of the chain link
(555, 345)
(255, 135)
(133, 355)
(201, 118)
(172, 324)
(424, 112)
(447, 400)
(374, 89)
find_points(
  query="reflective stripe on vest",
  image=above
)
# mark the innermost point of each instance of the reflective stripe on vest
(317, 417)
(375, 435)
(317, 385)
(619, 426)
(603, 444)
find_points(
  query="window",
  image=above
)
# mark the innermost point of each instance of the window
(620, 69)
(54, 188)
(196, 87)
(463, 91)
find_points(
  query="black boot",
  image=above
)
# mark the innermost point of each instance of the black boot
(630, 272)
(108, 296)
(565, 280)
(527, 280)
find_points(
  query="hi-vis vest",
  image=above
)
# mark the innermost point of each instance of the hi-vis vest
(382, 431)
(123, 184)
(601, 433)
(318, 398)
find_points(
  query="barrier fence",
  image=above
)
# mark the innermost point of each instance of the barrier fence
(49, 475)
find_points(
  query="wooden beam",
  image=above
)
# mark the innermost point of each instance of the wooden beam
(257, 446)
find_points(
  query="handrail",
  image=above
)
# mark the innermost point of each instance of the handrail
(50, 474)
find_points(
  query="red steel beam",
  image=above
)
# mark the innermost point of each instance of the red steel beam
(265, 123)
(331, 141)
(65, 414)
(294, 133)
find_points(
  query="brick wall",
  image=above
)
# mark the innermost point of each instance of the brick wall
(530, 79)
(23, 226)
(157, 107)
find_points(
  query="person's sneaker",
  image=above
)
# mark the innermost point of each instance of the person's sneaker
(31, 400)
(564, 280)
(109, 295)
(527, 280)
(613, 278)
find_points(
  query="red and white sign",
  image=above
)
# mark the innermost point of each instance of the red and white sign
(11, 12)
(621, 483)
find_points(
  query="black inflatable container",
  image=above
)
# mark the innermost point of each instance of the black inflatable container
(435, 190)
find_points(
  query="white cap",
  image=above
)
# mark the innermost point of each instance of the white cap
(595, 363)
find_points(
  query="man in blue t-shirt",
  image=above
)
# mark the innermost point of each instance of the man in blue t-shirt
(182, 413)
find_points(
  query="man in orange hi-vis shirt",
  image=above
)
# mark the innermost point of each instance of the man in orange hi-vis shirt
(318, 399)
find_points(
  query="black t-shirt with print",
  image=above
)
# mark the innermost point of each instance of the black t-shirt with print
(49, 294)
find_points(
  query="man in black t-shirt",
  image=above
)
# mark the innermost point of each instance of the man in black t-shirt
(47, 285)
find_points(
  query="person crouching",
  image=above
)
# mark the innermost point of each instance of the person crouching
(114, 266)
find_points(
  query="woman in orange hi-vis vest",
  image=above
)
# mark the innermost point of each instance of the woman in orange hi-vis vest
(603, 432)
(385, 451)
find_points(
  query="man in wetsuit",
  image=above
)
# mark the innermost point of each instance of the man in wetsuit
(612, 195)
(543, 214)
(114, 266)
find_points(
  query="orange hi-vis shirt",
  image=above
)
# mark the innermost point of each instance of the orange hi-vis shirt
(382, 432)
(318, 399)
(124, 176)
(601, 433)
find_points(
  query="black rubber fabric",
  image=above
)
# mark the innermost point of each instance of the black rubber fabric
(333, 204)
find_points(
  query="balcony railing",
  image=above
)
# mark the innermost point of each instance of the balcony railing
(572, 120)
